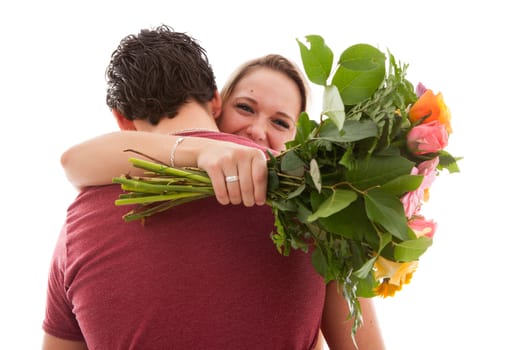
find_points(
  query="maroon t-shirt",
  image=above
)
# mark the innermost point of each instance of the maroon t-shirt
(199, 276)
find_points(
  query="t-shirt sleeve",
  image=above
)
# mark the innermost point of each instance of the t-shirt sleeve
(59, 319)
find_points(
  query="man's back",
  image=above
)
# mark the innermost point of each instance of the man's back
(199, 276)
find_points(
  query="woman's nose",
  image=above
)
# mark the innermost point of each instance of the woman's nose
(257, 132)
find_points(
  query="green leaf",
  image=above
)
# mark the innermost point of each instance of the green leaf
(360, 73)
(447, 161)
(365, 269)
(412, 249)
(376, 170)
(279, 236)
(355, 86)
(403, 184)
(320, 262)
(284, 205)
(305, 127)
(387, 210)
(333, 106)
(385, 239)
(292, 164)
(315, 173)
(303, 212)
(366, 286)
(273, 180)
(352, 130)
(337, 201)
(362, 57)
(296, 192)
(351, 222)
(317, 60)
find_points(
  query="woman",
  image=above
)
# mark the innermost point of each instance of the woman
(261, 102)
(269, 125)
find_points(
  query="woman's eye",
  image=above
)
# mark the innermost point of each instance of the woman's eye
(282, 123)
(244, 107)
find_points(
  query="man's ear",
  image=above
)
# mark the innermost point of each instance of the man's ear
(216, 105)
(123, 123)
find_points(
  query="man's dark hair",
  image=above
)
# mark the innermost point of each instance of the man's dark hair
(152, 74)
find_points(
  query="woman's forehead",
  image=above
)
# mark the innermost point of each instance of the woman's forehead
(265, 83)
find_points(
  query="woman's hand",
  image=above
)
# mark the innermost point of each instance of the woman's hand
(238, 173)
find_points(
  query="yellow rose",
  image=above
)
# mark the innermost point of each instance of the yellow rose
(392, 275)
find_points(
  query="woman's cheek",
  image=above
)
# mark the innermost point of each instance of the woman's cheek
(278, 143)
(228, 124)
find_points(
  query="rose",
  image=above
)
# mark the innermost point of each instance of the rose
(412, 200)
(427, 138)
(430, 107)
(420, 89)
(392, 275)
(422, 226)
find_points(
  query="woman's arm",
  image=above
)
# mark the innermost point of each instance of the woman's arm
(337, 328)
(97, 160)
(53, 343)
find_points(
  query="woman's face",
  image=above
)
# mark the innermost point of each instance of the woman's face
(264, 106)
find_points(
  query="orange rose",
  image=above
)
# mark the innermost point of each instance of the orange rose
(434, 107)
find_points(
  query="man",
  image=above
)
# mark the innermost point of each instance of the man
(200, 276)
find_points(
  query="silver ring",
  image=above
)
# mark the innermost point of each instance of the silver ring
(232, 178)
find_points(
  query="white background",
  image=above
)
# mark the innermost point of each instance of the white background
(467, 290)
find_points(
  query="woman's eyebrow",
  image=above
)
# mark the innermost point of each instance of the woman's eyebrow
(254, 101)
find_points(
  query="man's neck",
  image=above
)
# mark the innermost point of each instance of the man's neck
(191, 116)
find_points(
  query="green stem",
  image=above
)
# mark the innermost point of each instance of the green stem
(140, 186)
(165, 170)
(143, 212)
(160, 198)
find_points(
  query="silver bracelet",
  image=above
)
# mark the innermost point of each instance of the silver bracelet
(173, 149)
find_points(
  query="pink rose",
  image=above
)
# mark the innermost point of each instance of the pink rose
(428, 170)
(412, 200)
(422, 227)
(427, 138)
(420, 89)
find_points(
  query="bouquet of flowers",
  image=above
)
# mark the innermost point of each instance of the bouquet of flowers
(351, 185)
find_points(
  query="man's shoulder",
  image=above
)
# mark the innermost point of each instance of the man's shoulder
(221, 136)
